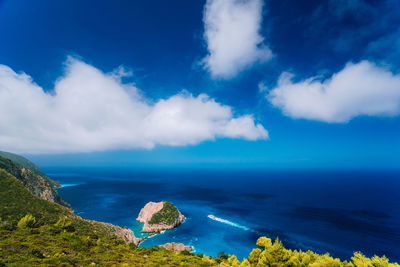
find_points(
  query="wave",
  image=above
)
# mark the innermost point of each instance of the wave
(212, 217)
(68, 185)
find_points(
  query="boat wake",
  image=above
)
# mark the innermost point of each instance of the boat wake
(68, 185)
(212, 217)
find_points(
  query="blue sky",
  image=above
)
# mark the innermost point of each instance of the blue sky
(289, 83)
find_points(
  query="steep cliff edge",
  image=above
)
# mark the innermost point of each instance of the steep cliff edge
(20, 160)
(39, 185)
(159, 216)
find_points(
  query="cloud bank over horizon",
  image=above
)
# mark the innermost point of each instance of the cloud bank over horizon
(361, 89)
(232, 33)
(89, 110)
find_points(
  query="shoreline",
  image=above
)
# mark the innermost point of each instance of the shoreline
(151, 235)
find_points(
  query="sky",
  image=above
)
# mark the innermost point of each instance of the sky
(216, 83)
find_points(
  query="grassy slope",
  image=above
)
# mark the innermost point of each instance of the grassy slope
(16, 201)
(89, 242)
(29, 165)
(41, 246)
(34, 182)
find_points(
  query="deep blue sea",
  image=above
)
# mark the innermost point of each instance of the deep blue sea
(323, 210)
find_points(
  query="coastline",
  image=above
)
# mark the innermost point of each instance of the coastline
(292, 226)
(151, 235)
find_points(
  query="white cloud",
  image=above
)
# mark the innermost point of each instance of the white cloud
(232, 34)
(92, 111)
(357, 90)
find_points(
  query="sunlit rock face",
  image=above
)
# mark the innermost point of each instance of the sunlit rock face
(167, 216)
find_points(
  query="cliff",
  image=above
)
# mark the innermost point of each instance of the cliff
(17, 159)
(159, 216)
(16, 201)
(38, 184)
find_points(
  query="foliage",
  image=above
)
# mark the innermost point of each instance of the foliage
(20, 247)
(35, 183)
(222, 256)
(19, 160)
(275, 254)
(62, 225)
(264, 242)
(16, 201)
(27, 222)
(169, 214)
(45, 247)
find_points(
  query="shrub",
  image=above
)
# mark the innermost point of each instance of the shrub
(264, 242)
(35, 252)
(64, 224)
(185, 252)
(27, 222)
(254, 255)
(132, 246)
(223, 256)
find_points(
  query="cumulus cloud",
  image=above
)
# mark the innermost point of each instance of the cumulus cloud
(231, 30)
(357, 90)
(89, 110)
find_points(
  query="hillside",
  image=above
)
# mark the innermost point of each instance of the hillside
(16, 201)
(59, 237)
(34, 231)
(39, 185)
(17, 159)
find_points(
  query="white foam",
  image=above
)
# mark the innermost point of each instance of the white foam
(68, 185)
(212, 217)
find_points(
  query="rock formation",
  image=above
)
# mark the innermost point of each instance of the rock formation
(159, 216)
(41, 186)
(177, 247)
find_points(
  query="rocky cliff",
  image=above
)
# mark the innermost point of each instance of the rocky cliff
(159, 216)
(34, 182)
(126, 234)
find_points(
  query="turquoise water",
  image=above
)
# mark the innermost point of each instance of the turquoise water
(327, 211)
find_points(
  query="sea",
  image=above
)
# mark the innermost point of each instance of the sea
(328, 211)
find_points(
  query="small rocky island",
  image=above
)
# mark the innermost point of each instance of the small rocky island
(159, 216)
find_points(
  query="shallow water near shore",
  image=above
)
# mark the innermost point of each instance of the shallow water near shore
(323, 210)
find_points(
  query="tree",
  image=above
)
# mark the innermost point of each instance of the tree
(27, 222)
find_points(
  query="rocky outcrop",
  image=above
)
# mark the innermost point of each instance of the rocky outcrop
(40, 187)
(124, 233)
(149, 209)
(32, 186)
(35, 183)
(177, 247)
(160, 216)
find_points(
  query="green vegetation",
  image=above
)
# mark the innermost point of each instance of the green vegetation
(51, 245)
(27, 222)
(16, 202)
(38, 185)
(17, 159)
(36, 232)
(168, 215)
(275, 254)
(60, 244)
